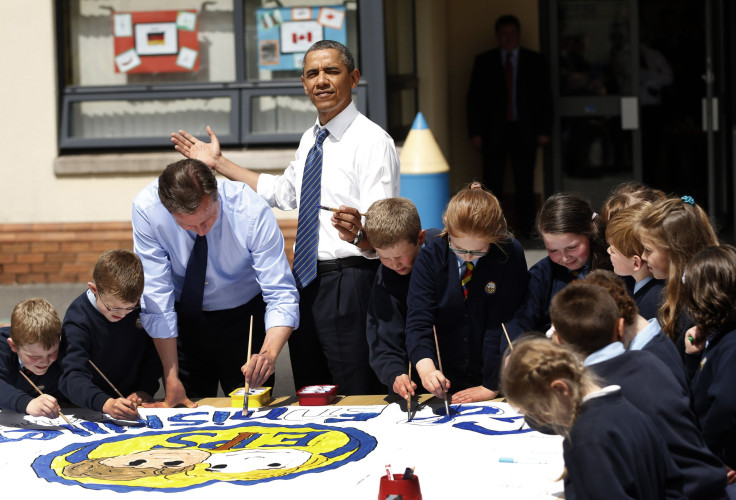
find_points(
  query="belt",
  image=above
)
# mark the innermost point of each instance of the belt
(327, 266)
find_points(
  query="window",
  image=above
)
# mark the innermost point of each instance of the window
(131, 73)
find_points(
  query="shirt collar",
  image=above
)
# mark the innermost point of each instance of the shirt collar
(340, 123)
(645, 336)
(639, 284)
(461, 262)
(610, 351)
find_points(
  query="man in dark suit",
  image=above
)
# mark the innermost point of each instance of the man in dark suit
(509, 115)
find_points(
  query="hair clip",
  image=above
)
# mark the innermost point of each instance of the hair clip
(689, 200)
(594, 216)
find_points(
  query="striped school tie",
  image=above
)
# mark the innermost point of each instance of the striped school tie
(307, 228)
(466, 278)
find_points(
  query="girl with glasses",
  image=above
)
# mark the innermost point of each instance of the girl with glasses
(465, 283)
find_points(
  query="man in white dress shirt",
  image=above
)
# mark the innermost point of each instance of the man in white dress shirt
(359, 166)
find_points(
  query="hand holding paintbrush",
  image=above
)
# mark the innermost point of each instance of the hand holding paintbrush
(121, 408)
(47, 405)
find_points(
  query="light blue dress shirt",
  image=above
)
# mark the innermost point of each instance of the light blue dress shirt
(604, 354)
(639, 284)
(647, 334)
(245, 257)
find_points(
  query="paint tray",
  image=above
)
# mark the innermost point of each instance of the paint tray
(259, 396)
(317, 395)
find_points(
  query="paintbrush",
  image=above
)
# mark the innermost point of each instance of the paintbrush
(41, 393)
(336, 210)
(109, 382)
(247, 362)
(408, 400)
(439, 361)
(508, 339)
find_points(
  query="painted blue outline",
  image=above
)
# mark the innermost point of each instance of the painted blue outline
(361, 442)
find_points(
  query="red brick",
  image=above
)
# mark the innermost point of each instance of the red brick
(75, 247)
(44, 247)
(61, 257)
(46, 268)
(14, 247)
(87, 257)
(7, 279)
(75, 269)
(6, 258)
(31, 258)
(16, 268)
(63, 278)
(32, 278)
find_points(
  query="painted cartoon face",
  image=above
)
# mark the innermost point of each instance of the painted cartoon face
(400, 257)
(34, 357)
(158, 458)
(622, 265)
(249, 460)
(567, 249)
(656, 258)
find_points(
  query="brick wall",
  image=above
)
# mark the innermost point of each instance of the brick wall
(67, 252)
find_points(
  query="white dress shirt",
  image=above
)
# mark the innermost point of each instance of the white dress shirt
(359, 166)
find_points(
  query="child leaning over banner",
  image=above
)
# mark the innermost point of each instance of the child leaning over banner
(611, 449)
(30, 345)
(465, 283)
(103, 326)
(710, 282)
(587, 319)
(394, 228)
(626, 253)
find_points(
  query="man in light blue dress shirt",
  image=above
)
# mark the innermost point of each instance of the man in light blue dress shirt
(247, 273)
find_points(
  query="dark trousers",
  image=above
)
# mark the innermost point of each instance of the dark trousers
(519, 146)
(214, 349)
(330, 345)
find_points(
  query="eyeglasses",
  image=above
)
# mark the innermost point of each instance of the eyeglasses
(117, 309)
(462, 252)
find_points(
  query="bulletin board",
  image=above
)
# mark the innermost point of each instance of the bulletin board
(163, 41)
(285, 34)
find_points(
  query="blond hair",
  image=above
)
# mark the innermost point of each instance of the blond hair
(475, 211)
(119, 273)
(390, 221)
(533, 364)
(35, 321)
(680, 230)
(626, 194)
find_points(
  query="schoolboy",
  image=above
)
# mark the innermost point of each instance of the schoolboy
(30, 345)
(639, 333)
(394, 228)
(586, 317)
(102, 325)
(626, 250)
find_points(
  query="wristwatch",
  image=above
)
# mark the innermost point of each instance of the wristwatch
(358, 237)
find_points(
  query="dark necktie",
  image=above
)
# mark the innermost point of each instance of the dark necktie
(192, 292)
(466, 278)
(307, 228)
(510, 86)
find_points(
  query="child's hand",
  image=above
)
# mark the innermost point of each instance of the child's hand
(473, 394)
(140, 397)
(432, 379)
(43, 406)
(121, 408)
(694, 341)
(730, 475)
(404, 387)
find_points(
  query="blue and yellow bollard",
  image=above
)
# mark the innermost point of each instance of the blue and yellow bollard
(425, 174)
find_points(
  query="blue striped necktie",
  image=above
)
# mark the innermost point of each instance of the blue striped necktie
(307, 229)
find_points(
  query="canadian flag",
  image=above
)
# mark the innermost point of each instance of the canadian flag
(298, 36)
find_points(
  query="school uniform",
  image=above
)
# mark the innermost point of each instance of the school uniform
(615, 451)
(545, 279)
(650, 386)
(653, 339)
(648, 295)
(122, 350)
(468, 330)
(386, 324)
(15, 391)
(714, 396)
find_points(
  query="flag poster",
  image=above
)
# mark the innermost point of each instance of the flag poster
(162, 41)
(285, 34)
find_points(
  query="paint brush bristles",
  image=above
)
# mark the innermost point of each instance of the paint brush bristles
(41, 393)
(439, 362)
(247, 362)
(508, 339)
